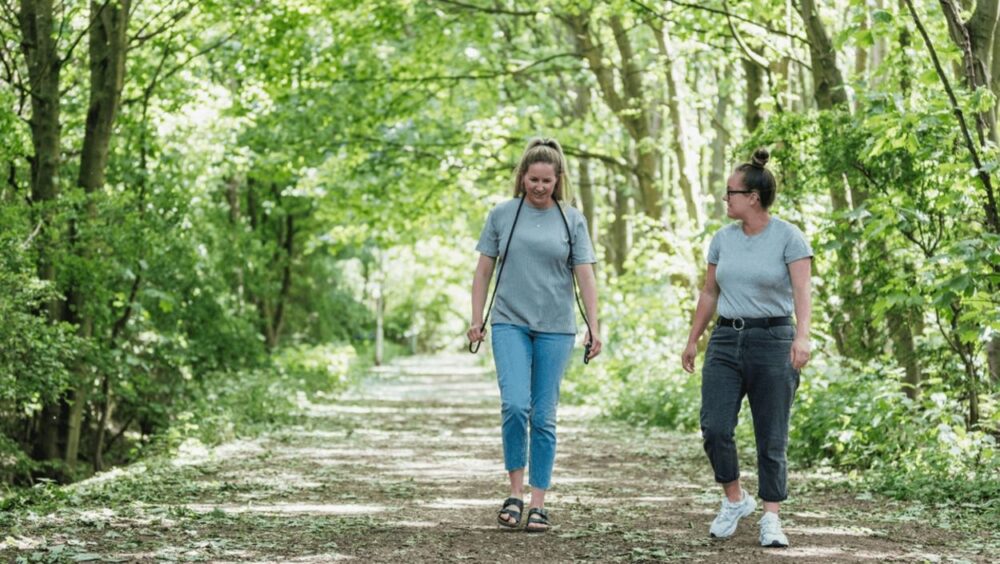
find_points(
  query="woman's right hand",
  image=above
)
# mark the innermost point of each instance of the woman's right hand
(687, 359)
(476, 333)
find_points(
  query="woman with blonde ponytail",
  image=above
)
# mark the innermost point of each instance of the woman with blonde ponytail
(542, 246)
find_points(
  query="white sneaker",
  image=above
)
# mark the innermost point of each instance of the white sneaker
(730, 514)
(770, 531)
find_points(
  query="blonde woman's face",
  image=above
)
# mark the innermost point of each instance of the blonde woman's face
(539, 183)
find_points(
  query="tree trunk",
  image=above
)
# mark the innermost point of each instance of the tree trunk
(718, 173)
(754, 76)
(975, 39)
(630, 108)
(286, 279)
(581, 109)
(586, 185)
(901, 332)
(993, 360)
(849, 333)
(904, 44)
(380, 326)
(679, 143)
(619, 228)
(828, 83)
(108, 49)
(44, 64)
(861, 57)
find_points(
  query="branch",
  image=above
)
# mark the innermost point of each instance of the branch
(158, 79)
(9, 14)
(122, 321)
(729, 15)
(93, 19)
(721, 13)
(606, 159)
(27, 242)
(139, 38)
(496, 11)
(990, 206)
(457, 77)
(750, 53)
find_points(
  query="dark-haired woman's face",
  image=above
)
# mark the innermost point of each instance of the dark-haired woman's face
(738, 199)
(539, 183)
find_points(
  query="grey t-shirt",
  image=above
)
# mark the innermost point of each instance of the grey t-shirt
(536, 289)
(752, 270)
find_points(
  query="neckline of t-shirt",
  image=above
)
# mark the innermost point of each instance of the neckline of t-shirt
(532, 208)
(739, 227)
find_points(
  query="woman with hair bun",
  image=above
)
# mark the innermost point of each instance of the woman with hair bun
(758, 275)
(542, 246)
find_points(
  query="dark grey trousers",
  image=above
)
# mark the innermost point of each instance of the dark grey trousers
(755, 363)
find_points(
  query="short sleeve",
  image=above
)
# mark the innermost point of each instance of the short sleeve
(713, 249)
(583, 249)
(489, 239)
(797, 247)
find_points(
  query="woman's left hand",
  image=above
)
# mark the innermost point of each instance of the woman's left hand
(800, 352)
(595, 345)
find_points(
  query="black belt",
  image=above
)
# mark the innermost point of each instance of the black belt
(741, 323)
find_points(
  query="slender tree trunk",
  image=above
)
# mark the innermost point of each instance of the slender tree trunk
(108, 50)
(718, 173)
(586, 184)
(286, 279)
(829, 93)
(581, 109)
(861, 57)
(619, 229)
(904, 44)
(754, 76)
(44, 64)
(993, 360)
(900, 327)
(679, 142)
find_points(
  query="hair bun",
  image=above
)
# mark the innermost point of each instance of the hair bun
(760, 157)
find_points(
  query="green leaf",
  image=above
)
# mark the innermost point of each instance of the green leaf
(882, 17)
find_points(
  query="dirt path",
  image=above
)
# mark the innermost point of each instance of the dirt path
(408, 469)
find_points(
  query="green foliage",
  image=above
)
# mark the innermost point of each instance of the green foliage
(226, 405)
(853, 416)
(639, 377)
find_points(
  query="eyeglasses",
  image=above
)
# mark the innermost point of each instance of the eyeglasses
(731, 192)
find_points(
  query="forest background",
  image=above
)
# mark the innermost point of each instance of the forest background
(212, 209)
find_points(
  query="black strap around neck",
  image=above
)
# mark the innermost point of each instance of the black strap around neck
(474, 347)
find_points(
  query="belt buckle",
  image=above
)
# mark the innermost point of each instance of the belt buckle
(742, 323)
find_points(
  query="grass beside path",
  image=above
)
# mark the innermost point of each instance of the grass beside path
(407, 468)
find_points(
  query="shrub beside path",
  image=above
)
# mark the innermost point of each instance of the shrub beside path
(407, 467)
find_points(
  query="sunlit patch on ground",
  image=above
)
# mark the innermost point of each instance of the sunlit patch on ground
(307, 508)
(841, 531)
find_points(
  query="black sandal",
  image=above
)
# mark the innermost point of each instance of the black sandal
(515, 515)
(537, 516)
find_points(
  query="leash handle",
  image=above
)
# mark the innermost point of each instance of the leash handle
(474, 347)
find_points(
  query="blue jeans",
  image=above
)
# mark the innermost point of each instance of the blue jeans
(530, 366)
(755, 363)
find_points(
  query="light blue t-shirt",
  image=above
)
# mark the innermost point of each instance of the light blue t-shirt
(536, 289)
(752, 270)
